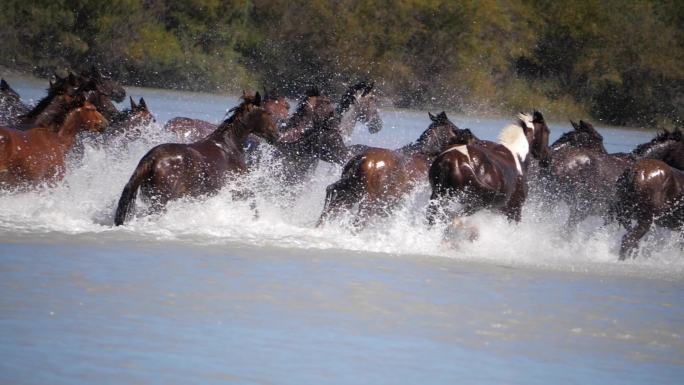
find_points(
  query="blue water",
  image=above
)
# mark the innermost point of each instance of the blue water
(205, 294)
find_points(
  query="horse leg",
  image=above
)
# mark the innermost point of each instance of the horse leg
(339, 196)
(513, 208)
(631, 239)
(435, 210)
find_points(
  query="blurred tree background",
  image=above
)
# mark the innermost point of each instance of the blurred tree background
(618, 61)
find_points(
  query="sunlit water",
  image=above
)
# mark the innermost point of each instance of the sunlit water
(206, 293)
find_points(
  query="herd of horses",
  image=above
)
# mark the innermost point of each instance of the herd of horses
(639, 189)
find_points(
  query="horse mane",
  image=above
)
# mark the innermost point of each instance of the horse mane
(42, 104)
(235, 112)
(513, 138)
(662, 136)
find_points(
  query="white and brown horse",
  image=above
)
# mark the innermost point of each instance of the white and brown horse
(489, 175)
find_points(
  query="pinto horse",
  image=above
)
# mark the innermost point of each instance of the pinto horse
(490, 175)
(377, 178)
(11, 105)
(38, 154)
(650, 192)
(172, 170)
(191, 130)
(585, 177)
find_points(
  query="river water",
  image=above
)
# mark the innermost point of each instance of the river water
(208, 294)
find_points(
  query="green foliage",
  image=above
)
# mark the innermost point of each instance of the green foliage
(617, 60)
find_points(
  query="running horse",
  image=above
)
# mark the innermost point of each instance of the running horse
(129, 121)
(488, 175)
(649, 192)
(173, 170)
(317, 130)
(103, 92)
(377, 178)
(359, 104)
(37, 155)
(585, 176)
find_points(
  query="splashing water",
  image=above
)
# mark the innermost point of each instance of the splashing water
(84, 202)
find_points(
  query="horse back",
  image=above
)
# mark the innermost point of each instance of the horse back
(189, 129)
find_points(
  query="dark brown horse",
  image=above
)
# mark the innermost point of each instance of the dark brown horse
(377, 178)
(585, 176)
(38, 155)
(171, 171)
(103, 91)
(359, 104)
(60, 94)
(192, 130)
(130, 121)
(488, 175)
(310, 135)
(11, 105)
(649, 192)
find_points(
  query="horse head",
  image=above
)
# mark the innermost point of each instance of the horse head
(667, 146)
(254, 119)
(440, 134)
(82, 115)
(103, 84)
(139, 114)
(584, 135)
(278, 106)
(539, 139)
(361, 102)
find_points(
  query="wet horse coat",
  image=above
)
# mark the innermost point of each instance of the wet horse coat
(487, 174)
(377, 178)
(173, 170)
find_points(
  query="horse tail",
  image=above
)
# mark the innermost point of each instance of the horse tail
(142, 172)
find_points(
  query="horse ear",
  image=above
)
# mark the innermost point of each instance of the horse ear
(537, 117)
(71, 78)
(574, 125)
(142, 105)
(442, 117)
(432, 117)
(257, 99)
(3, 85)
(133, 106)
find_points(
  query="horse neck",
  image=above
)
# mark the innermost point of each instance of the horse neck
(36, 112)
(234, 132)
(70, 128)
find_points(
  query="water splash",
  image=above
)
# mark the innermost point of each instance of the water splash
(84, 203)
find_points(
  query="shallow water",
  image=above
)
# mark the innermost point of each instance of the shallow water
(206, 294)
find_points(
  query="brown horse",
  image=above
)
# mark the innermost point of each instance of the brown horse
(103, 91)
(171, 171)
(650, 192)
(377, 178)
(488, 175)
(585, 177)
(38, 155)
(192, 130)
(11, 105)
